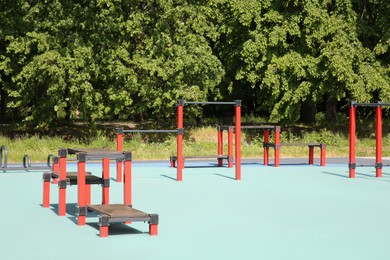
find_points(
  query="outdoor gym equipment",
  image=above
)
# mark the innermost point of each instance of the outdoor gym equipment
(26, 166)
(276, 145)
(119, 143)
(180, 125)
(378, 137)
(109, 213)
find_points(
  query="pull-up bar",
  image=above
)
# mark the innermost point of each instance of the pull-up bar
(378, 136)
(180, 125)
(206, 103)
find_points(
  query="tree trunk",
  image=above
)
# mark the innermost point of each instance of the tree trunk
(330, 108)
(308, 111)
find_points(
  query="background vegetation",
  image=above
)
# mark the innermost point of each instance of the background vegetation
(67, 66)
(86, 61)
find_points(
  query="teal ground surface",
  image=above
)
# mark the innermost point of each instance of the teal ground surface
(289, 212)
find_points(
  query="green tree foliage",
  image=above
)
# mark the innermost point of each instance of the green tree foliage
(62, 61)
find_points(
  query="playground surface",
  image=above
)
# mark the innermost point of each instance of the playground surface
(294, 211)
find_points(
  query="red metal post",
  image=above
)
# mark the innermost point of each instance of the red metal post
(103, 231)
(55, 168)
(127, 184)
(352, 141)
(238, 138)
(180, 160)
(119, 148)
(378, 137)
(265, 146)
(323, 155)
(153, 229)
(81, 198)
(46, 189)
(230, 147)
(311, 155)
(277, 146)
(88, 194)
(220, 146)
(62, 182)
(106, 176)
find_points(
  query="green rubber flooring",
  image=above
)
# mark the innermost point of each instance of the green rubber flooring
(289, 212)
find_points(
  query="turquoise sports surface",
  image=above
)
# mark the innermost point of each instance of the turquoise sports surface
(289, 212)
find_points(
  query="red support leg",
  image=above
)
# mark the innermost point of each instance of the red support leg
(46, 189)
(81, 188)
(311, 155)
(180, 125)
(127, 183)
(323, 155)
(277, 146)
(230, 147)
(238, 138)
(106, 176)
(265, 146)
(119, 148)
(55, 168)
(352, 141)
(103, 231)
(220, 146)
(153, 229)
(62, 185)
(88, 194)
(378, 137)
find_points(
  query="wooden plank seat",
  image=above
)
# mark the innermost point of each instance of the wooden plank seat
(173, 159)
(110, 213)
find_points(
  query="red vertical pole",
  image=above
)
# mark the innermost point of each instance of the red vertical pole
(323, 155)
(153, 229)
(238, 138)
(180, 161)
(55, 168)
(230, 146)
(352, 140)
(220, 145)
(265, 146)
(119, 148)
(88, 194)
(378, 137)
(127, 183)
(46, 189)
(277, 146)
(81, 198)
(106, 178)
(62, 182)
(311, 155)
(103, 231)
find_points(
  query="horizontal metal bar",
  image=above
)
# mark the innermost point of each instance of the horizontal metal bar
(267, 127)
(150, 131)
(208, 103)
(370, 104)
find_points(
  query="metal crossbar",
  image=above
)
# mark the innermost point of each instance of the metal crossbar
(150, 131)
(379, 104)
(208, 103)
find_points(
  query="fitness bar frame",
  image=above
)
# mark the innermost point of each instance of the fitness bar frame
(378, 136)
(180, 125)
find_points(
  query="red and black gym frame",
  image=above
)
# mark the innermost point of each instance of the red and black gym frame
(180, 126)
(378, 136)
